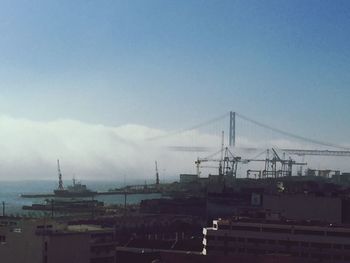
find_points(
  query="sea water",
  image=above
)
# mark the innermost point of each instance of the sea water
(10, 192)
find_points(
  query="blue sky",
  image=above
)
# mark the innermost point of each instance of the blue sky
(171, 64)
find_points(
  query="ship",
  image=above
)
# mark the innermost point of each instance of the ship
(77, 189)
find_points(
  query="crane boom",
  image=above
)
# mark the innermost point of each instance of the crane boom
(316, 152)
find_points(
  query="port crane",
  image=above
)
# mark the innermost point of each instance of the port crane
(271, 164)
(60, 182)
(157, 175)
(307, 152)
(286, 165)
(227, 161)
(228, 164)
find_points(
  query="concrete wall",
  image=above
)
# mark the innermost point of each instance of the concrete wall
(43, 242)
(303, 207)
(21, 246)
(68, 248)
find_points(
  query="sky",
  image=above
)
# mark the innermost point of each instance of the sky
(151, 67)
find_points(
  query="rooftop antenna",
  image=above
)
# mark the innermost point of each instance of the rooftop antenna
(60, 182)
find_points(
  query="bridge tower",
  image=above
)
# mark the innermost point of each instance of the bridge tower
(232, 133)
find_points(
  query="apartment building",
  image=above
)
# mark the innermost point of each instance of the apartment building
(36, 241)
(305, 241)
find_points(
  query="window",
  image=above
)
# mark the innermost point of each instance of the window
(2, 239)
(103, 260)
(320, 245)
(275, 230)
(337, 257)
(338, 234)
(337, 246)
(17, 230)
(288, 243)
(246, 228)
(241, 250)
(255, 251)
(241, 239)
(210, 237)
(346, 246)
(308, 232)
(232, 239)
(304, 244)
(210, 248)
(255, 240)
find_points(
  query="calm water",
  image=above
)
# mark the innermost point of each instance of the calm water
(10, 194)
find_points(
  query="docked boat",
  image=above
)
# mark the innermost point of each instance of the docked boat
(77, 189)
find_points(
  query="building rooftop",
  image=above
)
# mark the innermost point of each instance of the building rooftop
(86, 228)
(282, 222)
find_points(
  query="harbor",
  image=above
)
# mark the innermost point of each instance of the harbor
(175, 131)
(227, 191)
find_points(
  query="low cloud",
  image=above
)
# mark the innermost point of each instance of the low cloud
(29, 150)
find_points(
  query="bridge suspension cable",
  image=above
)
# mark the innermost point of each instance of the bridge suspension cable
(197, 126)
(292, 135)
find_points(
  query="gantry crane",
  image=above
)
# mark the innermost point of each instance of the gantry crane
(227, 163)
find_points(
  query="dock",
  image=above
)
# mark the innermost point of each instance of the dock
(117, 192)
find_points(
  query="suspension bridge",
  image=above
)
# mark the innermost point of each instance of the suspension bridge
(252, 138)
(328, 148)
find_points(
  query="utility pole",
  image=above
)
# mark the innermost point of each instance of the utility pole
(125, 194)
(52, 208)
(92, 207)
